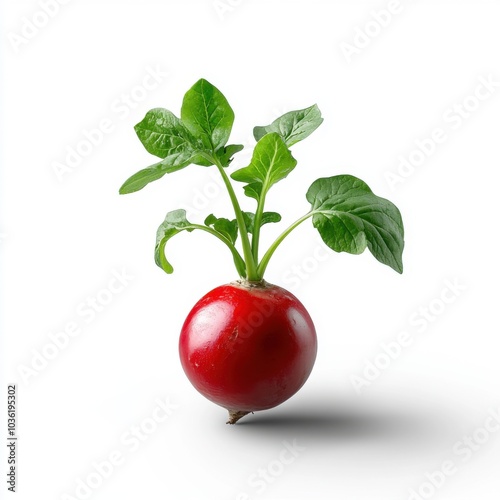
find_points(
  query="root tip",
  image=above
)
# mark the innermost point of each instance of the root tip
(235, 415)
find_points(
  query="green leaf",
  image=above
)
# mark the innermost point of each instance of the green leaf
(267, 217)
(253, 190)
(174, 223)
(202, 161)
(228, 229)
(349, 218)
(142, 178)
(164, 135)
(207, 115)
(226, 154)
(293, 126)
(271, 162)
(270, 217)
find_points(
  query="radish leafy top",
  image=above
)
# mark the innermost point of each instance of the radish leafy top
(348, 216)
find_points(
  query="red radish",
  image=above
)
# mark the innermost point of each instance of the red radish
(248, 348)
(249, 345)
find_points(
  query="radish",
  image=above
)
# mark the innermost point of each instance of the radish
(250, 345)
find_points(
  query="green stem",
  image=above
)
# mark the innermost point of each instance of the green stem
(256, 226)
(261, 269)
(251, 265)
(238, 260)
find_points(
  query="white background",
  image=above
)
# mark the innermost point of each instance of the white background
(62, 238)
